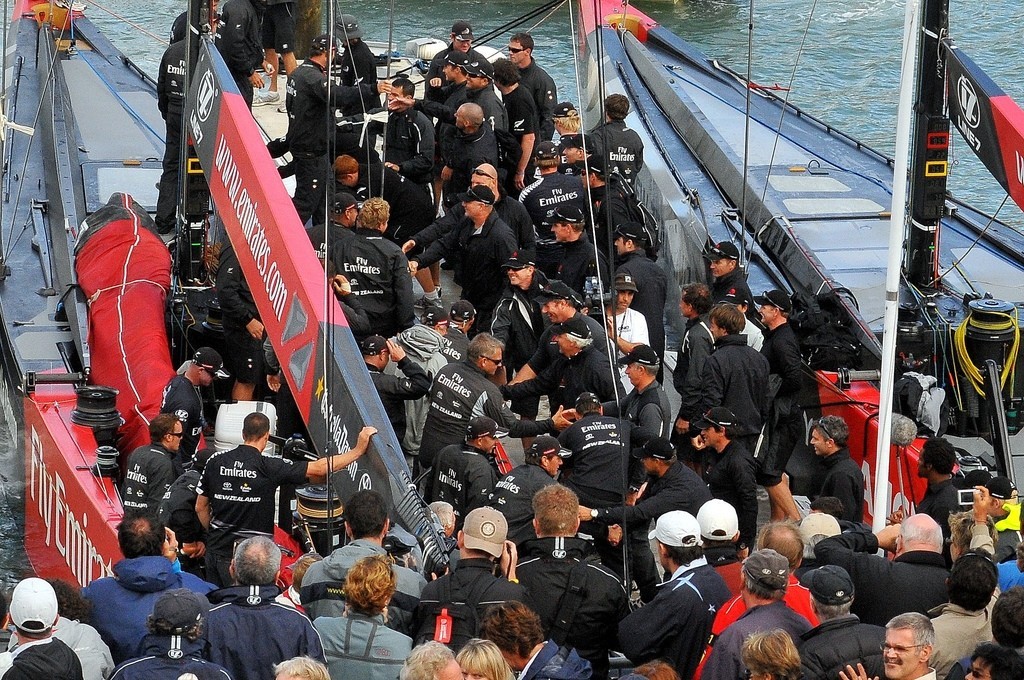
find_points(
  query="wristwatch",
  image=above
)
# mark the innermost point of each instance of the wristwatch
(593, 513)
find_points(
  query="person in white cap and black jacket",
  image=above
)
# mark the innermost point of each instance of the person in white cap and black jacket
(38, 654)
(676, 623)
(175, 644)
(513, 494)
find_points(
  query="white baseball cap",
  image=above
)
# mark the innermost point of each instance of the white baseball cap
(34, 606)
(677, 528)
(718, 520)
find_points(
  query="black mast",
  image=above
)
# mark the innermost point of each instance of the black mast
(929, 158)
(194, 199)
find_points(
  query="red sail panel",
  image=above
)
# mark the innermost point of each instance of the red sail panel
(987, 118)
(124, 270)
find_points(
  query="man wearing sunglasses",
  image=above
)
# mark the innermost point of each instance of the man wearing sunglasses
(152, 468)
(536, 81)
(181, 397)
(843, 478)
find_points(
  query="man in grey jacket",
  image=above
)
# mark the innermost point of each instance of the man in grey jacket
(366, 524)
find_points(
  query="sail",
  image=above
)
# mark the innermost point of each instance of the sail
(318, 354)
(988, 119)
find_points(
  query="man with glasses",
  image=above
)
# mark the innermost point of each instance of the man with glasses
(466, 389)
(843, 477)
(536, 81)
(906, 652)
(1004, 508)
(152, 468)
(181, 397)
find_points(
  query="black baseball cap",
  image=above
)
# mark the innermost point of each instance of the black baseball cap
(373, 345)
(641, 354)
(478, 193)
(571, 141)
(563, 109)
(209, 359)
(482, 426)
(322, 44)
(736, 296)
(1001, 488)
(829, 585)
(481, 68)
(574, 327)
(775, 298)
(547, 151)
(634, 231)
(519, 260)
(546, 445)
(343, 201)
(587, 398)
(595, 165)
(568, 213)
(718, 416)
(657, 448)
(456, 58)
(558, 290)
(462, 310)
(180, 609)
(724, 250)
(434, 316)
(462, 30)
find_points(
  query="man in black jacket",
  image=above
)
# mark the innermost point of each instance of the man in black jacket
(241, 43)
(536, 81)
(393, 391)
(408, 136)
(472, 587)
(650, 279)
(579, 601)
(785, 420)
(724, 262)
(485, 243)
(840, 639)
(687, 378)
(377, 271)
(736, 376)
(464, 475)
(152, 468)
(646, 405)
(619, 147)
(671, 486)
(170, 91)
(181, 397)
(177, 511)
(938, 458)
(843, 477)
(470, 144)
(411, 209)
(462, 41)
(243, 329)
(582, 267)
(730, 473)
(513, 494)
(518, 321)
(915, 581)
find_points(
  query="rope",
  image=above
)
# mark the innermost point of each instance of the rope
(126, 20)
(971, 370)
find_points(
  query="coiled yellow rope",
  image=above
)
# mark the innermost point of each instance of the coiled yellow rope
(971, 371)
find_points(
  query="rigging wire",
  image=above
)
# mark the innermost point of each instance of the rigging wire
(746, 127)
(125, 20)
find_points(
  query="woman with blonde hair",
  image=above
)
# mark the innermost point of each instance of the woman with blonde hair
(482, 660)
(771, 655)
(358, 644)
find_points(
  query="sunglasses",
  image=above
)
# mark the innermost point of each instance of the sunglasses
(483, 173)
(515, 50)
(176, 434)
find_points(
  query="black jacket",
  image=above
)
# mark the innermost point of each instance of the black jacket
(549, 192)
(694, 351)
(601, 467)
(462, 152)
(568, 377)
(541, 86)
(579, 263)
(508, 209)
(736, 377)
(845, 481)
(678, 489)
(463, 476)
(309, 101)
(734, 281)
(178, 508)
(620, 146)
(379, 273)
(547, 349)
(461, 583)
(460, 391)
(409, 144)
(478, 270)
(512, 496)
(167, 657)
(546, 569)
(241, 42)
(170, 82)
(648, 409)
(731, 478)
(412, 209)
(651, 293)
(52, 661)
(913, 582)
(436, 70)
(236, 302)
(518, 321)
(395, 391)
(782, 350)
(940, 500)
(359, 68)
(831, 646)
(149, 473)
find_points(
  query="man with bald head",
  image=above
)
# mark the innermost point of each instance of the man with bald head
(915, 581)
(467, 146)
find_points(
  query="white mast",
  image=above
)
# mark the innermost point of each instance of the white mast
(897, 222)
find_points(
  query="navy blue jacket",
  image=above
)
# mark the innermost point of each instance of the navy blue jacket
(168, 658)
(557, 663)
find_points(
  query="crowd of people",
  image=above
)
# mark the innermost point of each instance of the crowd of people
(628, 541)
